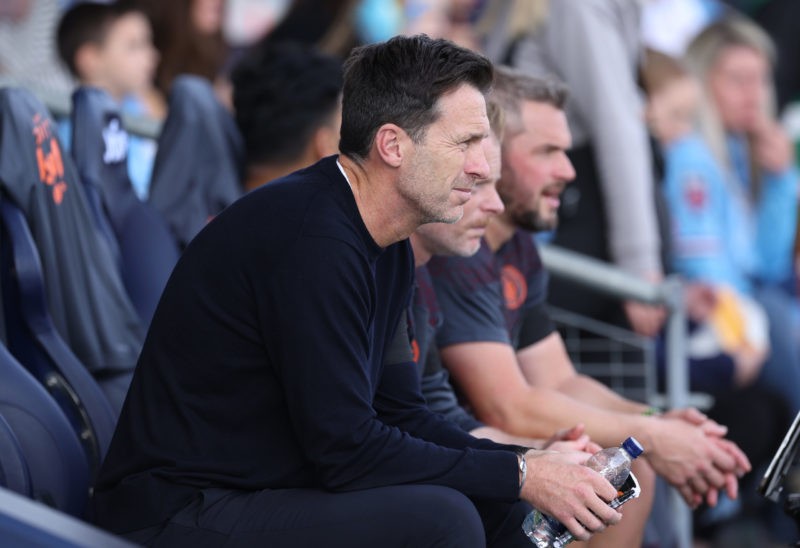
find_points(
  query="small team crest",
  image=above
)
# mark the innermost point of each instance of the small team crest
(515, 288)
(115, 141)
(695, 192)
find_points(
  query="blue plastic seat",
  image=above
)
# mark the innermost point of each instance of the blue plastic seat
(197, 172)
(147, 249)
(34, 341)
(89, 315)
(40, 453)
(14, 472)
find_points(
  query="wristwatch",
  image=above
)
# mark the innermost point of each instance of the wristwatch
(523, 469)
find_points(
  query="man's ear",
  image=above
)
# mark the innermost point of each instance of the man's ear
(390, 144)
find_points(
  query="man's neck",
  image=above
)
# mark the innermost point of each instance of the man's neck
(499, 231)
(421, 254)
(386, 215)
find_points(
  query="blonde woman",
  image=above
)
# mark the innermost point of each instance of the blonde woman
(732, 188)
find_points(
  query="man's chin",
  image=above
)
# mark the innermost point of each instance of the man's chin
(536, 223)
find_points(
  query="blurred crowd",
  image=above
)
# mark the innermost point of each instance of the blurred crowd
(680, 113)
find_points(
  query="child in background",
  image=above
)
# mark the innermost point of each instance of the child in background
(109, 46)
(729, 341)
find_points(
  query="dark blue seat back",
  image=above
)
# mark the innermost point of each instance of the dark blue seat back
(14, 473)
(85, 293)
(100, 147)
(52, 463)
(34, 341)
(197, 171)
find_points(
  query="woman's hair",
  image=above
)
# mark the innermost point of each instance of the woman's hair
(704, 52)
(183, 48)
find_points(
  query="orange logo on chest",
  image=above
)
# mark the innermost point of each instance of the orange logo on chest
(515, 288)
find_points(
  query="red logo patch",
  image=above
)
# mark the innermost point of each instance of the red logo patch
(515, 288)
(694, 191)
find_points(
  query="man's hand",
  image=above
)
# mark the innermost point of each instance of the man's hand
(560, 486)
(693, 457)
(571, 439)
(645, 319)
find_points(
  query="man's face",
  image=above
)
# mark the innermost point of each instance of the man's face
(535, 167)
(463, 238)
(442, 169)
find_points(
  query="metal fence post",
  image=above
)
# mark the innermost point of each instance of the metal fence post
(677, 389)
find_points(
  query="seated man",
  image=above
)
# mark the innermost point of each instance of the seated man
(275, 402)
(499, 343)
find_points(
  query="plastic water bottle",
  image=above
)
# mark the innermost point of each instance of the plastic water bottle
(613, 463)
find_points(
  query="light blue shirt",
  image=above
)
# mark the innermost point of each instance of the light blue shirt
(720, 234)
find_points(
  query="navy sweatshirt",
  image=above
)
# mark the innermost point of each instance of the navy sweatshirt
(264, 367)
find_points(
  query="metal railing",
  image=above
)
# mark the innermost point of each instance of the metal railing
(612, 281)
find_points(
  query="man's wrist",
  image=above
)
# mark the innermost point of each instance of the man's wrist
(523, 469)
(652, 411)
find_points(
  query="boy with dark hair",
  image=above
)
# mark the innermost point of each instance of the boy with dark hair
(109, 46)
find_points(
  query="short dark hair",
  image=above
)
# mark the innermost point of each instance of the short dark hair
(512, 87)
(282, 93)
(86, 23)
(400, 82)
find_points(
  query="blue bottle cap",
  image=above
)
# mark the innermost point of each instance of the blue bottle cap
(633, 447)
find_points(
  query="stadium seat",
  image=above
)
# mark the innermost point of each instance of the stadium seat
(100, 147)
(14, 473)
(197, 171)
(34, 341)
(40, 454)
(86, 302)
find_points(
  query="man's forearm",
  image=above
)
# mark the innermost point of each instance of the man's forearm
(591, 391)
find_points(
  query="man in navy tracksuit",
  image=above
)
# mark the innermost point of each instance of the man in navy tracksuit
(276, 403)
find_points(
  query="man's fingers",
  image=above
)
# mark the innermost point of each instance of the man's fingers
(698, 484)
(712, 496)
(732, 486)
(578, 531)
(692, 499)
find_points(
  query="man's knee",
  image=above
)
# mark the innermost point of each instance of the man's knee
(444, 517)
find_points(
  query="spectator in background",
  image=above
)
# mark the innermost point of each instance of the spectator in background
(109, 46)
(287, 102)
(28, 53)
(609, 212)
(732, 189)
(781, 20)
(728, 330)
(728, 339)
(328, 25)
(188, 35)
